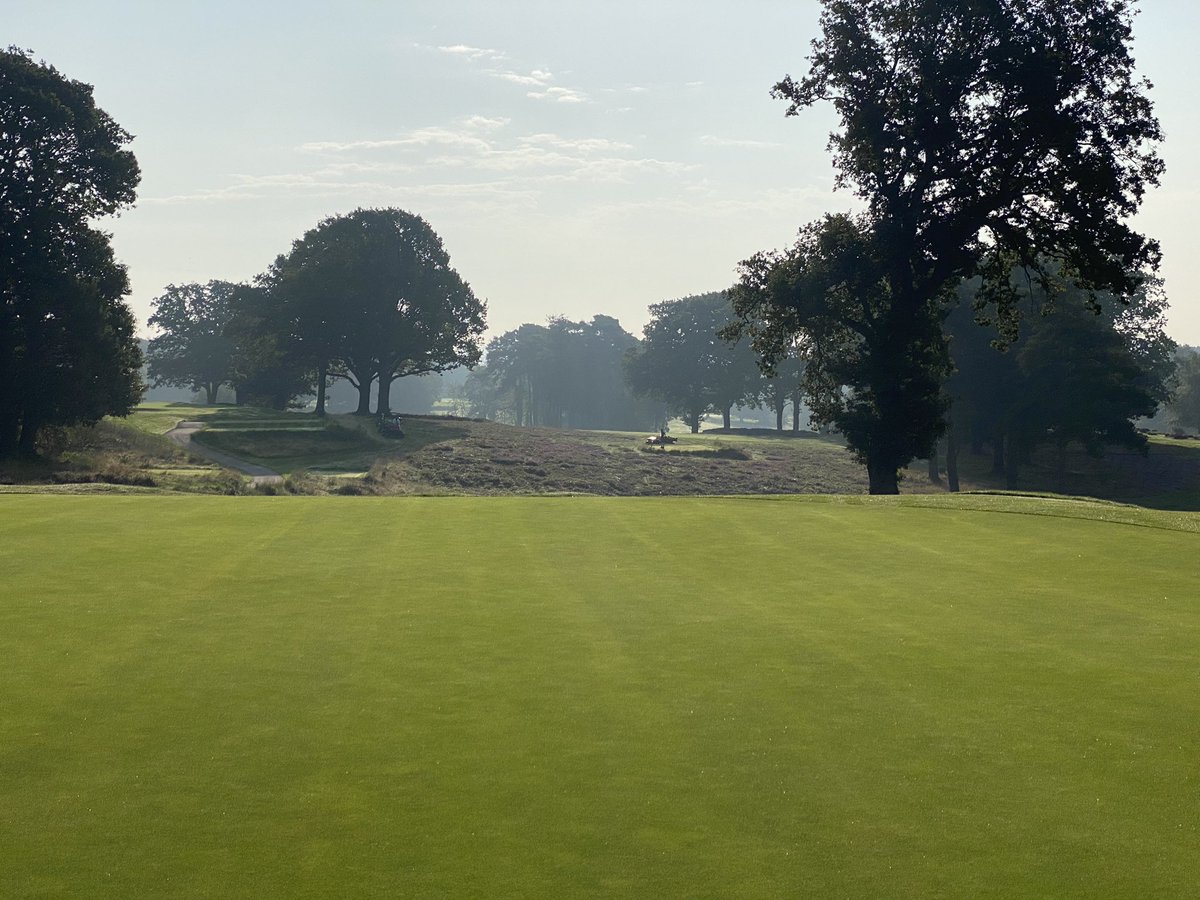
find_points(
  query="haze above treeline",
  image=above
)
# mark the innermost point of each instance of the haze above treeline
(575, 160)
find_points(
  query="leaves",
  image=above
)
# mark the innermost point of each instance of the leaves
(686, 363)
(979, 134)
(67, 348)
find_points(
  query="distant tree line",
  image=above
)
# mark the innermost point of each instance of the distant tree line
(368, 297)
(1070, 374)
(594, 374)
(1184, 407)
(562, 374)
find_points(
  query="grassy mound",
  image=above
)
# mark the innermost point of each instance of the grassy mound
(597, 697)
(442, 455)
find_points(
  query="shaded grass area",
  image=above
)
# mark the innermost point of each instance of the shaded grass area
(112, 453)
(1166, 477)
(160, 417)
(292, 442)
(596, 697)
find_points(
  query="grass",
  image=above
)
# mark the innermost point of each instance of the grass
(160, 417)
(441, 455)
(597, 697)
(292, 442)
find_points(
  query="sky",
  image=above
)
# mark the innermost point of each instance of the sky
(576, 158)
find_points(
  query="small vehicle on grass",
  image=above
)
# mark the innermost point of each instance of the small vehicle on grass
(661, 439)
(390, 426)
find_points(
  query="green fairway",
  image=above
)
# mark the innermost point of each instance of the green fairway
(555, 697)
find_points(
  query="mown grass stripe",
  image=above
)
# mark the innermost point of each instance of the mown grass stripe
(593, 696)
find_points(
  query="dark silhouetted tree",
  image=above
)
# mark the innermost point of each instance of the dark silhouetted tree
(831, 290)
(965, 126)
(68, 353)
(371, 295)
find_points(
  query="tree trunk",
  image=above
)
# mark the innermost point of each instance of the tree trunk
(322, 377)
(935, 474)
(364, 397)
(1011, 464)
(883, 477)
(10, 427)
(210, 392)
(998, 467)
(952, 459)
(27, 445)
(795, 415)
(384, 404)
(779, 405)
(725, 413)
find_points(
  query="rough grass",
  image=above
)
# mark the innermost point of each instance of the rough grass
(906, 697)
(486, 458)
(113, 453)
(1166, 477)
(442, 455)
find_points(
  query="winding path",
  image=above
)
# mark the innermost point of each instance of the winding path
(182, 433)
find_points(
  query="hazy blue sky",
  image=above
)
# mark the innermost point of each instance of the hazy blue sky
(576, 158)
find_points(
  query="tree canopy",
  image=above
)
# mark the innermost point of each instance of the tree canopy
(684, 362)
(1185, 405)
(562, 374)
(193, 349)
(371, 295)
(68, 352)
(979, 134)
(1070, 375)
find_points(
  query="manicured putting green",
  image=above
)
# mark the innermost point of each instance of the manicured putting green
(555, 697)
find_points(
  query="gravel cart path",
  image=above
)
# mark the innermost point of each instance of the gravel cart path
(182, 433)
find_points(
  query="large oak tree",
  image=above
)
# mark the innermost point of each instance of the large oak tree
(371, 295)
(978, 134)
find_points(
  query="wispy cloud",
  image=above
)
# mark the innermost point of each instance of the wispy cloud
(478, 157)
(559, 95)
(536, 78)
(710, 140)
(487, 195)
(582, 145)
(539, 78)
(473, 53)
(467, 133)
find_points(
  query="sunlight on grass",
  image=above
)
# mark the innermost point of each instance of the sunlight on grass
(580, 696)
